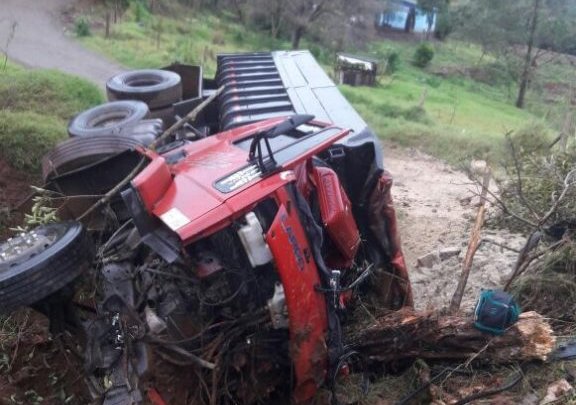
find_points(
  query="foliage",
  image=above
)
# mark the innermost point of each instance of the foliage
(445, 24)
(550, 288)
(139, 10)
(82, 27)
(535, 178)
(42, 211)
(423, 55)
(519, 32)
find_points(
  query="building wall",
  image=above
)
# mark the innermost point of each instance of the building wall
(397, 15)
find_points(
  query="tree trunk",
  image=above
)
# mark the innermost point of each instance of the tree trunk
(239, 8)
(276, 18)
(406, 334)
(297, 36)
(526, 71)
(107, 30)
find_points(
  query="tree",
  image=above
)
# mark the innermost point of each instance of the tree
(521, 32)
(304, 13)
(328, 16)
(432, 8)
(326, 21)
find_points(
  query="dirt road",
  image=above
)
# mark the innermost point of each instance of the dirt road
(41, 42)
(436, 209)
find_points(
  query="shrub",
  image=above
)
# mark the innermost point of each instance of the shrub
(140, 11)
(534, 177)
(423, 55)
(82, 27)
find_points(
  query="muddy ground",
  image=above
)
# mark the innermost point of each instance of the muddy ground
(436, 207)
(14, 189)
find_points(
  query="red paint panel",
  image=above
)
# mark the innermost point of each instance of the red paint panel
(306, 306)
(336, 212)
(153, 182)
(235, 207)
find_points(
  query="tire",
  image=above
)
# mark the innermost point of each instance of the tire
(50, 257)
(78, 152)
(157, 88)
(107, 119)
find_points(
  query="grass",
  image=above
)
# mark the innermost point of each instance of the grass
(157, 41)
(35, 106)
(458, 118)
(452, 123)
(455, 118)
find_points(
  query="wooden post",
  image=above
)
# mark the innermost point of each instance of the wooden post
(475, 239)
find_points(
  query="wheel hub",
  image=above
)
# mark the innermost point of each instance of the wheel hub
(24, 246)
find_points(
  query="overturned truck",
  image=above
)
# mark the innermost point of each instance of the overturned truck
(226, 252)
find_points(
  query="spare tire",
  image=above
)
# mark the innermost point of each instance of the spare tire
(157, 88)
(36, 264)
(79, 152)
(107, 119)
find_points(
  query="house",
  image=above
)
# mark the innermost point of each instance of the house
(405, 15)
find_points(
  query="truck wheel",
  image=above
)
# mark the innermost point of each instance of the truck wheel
(37, 263)
(157, 88)
(80, 152)
(107, 119)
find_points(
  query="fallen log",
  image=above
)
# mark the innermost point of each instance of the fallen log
(407, 334)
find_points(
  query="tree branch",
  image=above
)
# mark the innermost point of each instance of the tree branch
(567, 185)
(519, 183)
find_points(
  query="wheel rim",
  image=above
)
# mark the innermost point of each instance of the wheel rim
(109, 120)
(145, 82)
(25, 246)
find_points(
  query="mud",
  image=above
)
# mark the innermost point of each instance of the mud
(14, 189)
(436, 209)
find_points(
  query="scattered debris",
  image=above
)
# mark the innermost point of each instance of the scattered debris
(449, 252)
(407, 334)
(428, 260)
(556, 391)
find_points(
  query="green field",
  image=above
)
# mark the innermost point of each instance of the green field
(451, 116)
(35, 106)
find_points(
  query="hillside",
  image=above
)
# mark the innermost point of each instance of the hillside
(457, 108)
